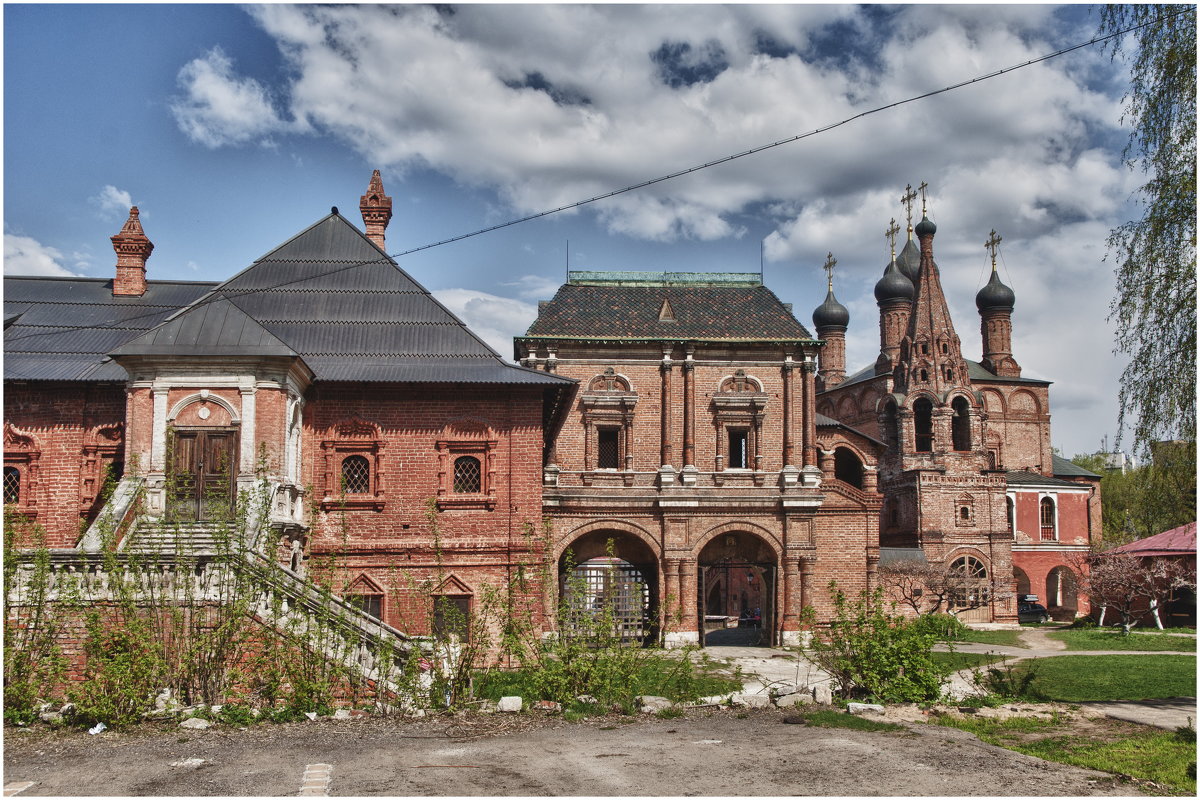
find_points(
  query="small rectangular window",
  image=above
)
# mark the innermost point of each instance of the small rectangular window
(451, 615)
(370, 603)
(739, 441)
(607, 447)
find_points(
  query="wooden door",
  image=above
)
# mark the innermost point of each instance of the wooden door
(203, 471)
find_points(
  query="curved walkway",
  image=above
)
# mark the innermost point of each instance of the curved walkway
(765, 668)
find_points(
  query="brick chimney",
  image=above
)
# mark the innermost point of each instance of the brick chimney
(376, 210)
(132, 248)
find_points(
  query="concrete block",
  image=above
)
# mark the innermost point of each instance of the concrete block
(512, 704)
(195, 723)
(795, 699)
(864, 708)
(822, 694)
(650, 703)
(752, 700)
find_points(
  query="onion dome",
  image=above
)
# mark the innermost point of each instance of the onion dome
(831, 314)
(894, 285)
(926, 227)
(910, 261)
(995, 296)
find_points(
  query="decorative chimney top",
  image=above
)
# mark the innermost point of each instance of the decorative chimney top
(376, 210)
(132, 249)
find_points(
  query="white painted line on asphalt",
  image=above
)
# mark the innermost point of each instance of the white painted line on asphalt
(16, 788)
(316, 780)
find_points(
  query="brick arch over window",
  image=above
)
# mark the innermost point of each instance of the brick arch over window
(203, 398)
(610, 381)
(739, 382)
(22, 457)
(355, 441)
(466, 453)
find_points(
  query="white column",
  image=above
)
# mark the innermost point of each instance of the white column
(248, 449)
(158, 441)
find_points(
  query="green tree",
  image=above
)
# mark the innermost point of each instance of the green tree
(1155, 306)
(1150, 499)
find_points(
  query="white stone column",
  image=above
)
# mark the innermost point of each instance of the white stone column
(249, 452)
(158, 440)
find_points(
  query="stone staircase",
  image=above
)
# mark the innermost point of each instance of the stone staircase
(184, 539)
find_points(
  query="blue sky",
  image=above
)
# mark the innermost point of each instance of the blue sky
(234, 127)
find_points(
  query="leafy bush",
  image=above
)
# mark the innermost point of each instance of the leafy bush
(123, 672)
(945, 627)
(1007, 681)
(871, 653)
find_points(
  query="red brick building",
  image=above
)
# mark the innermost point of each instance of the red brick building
(966, 469)
(399, 450)
(690, 451)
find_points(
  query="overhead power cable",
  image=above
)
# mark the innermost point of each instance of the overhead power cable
(680, 173)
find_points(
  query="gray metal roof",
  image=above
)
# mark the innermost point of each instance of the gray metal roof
(1066, 468)
(61, 329)
(975, 371)
(823, 421)
(1023, 477)
(331, 297)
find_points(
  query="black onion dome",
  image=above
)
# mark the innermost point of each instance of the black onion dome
(995, 296)
(831, 314)
(894, 285)
(910, 261)
(926, 227)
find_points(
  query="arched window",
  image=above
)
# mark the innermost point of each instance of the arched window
(467, 475)
(1010, 510)
(1049, 528)
(356, 475)
(960, 424)
(923, 425)
(847, 467)
(12, 486)
(968, 584)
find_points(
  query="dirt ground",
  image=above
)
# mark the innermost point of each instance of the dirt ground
(714, 752)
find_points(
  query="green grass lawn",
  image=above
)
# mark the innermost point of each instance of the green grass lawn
(1006, 638)
(1076, 679)
(1107, 639)
(827, 718)
(956, 661)
(1148, 754)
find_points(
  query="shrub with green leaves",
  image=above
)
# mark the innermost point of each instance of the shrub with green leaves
(946, 627)
(871, 652)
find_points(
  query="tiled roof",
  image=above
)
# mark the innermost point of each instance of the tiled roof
(330, 296)
(1177, 541)
(1064, 468)
(672, 307)
(975, 371)
(61, 329)
(1021, 477)
(828, 422)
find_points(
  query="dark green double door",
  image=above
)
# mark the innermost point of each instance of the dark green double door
(204, 466)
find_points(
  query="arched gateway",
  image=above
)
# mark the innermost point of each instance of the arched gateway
(615, 573)
(736, 590)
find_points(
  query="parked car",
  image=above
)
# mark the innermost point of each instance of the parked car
(1032, 612)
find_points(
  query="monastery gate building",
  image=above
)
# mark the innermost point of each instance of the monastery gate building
(679, 436)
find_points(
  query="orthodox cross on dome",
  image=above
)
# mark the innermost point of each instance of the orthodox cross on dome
(890, 235)
(907, 201)
(992, 245)
(830, 263)
(922, 189)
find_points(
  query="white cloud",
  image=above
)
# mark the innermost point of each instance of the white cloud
(24, 255)
(112, 203)
(549, 104)
(552, 104)
(219, 108)
(494, 319)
